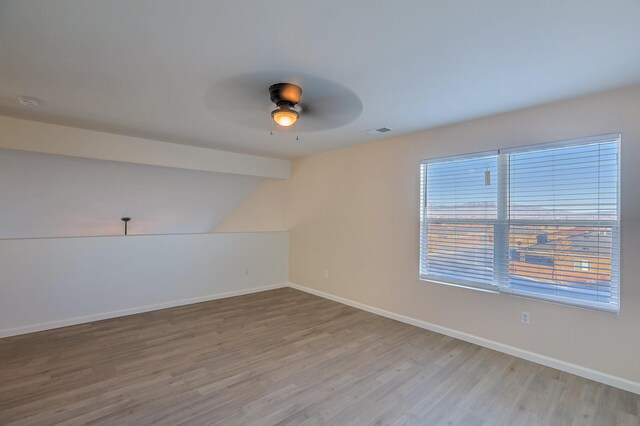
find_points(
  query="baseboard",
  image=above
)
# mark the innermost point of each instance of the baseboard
(130, 311)
(568, 367)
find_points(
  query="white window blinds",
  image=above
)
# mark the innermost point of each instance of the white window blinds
(539, 221)
(459, 220)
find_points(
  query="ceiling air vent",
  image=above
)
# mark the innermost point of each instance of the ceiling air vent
(379, 131)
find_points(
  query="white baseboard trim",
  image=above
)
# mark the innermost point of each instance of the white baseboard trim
(568, 367)
(130, 311)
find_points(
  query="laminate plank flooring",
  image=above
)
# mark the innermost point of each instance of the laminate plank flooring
(288, 358)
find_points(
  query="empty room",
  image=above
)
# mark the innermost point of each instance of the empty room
(237, 212)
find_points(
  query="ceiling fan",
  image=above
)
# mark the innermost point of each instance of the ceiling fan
(257, 100)
(286, 96)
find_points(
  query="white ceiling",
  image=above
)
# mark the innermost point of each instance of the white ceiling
(145, 67)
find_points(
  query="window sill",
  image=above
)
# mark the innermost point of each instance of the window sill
(470, 286)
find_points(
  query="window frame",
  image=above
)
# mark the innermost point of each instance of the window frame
(502, 223)
(424, 225)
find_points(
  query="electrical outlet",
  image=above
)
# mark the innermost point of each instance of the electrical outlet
(326, 274)
(525, 318)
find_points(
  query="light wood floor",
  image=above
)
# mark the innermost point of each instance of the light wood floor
(284, 357)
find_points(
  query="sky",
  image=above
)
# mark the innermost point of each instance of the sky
(578, 182)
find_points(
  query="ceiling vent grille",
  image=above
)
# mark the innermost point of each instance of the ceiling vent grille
(379, 131)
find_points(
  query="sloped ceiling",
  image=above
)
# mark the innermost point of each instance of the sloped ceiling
(54, 196)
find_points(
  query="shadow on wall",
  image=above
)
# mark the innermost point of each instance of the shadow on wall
(55, 196)
(265, 210)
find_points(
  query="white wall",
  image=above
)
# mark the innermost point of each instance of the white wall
(47, 283)
(43, 195)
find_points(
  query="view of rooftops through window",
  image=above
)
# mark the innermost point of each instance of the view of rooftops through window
(546, 226)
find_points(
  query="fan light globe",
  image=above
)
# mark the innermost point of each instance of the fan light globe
(284, 116)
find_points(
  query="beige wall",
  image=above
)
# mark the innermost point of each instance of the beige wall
(263, 211)
(355, 212)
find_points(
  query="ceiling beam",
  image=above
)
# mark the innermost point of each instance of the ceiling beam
(26, 135)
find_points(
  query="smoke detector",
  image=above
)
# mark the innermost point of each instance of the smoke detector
(29, 102)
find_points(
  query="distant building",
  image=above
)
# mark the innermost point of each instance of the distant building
(585, 257)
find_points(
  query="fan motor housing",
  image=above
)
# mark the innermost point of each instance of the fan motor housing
(285, 94)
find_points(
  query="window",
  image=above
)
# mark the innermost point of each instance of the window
(582, 265)
(540, 221)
